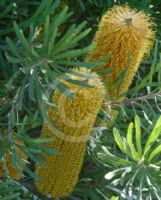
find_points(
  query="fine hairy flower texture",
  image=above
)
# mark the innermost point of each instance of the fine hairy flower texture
(126, 36)
(74, 119)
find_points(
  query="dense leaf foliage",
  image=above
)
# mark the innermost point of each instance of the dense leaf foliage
(40, 43)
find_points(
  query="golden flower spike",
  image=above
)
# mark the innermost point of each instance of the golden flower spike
(127, 37)
(75, 119)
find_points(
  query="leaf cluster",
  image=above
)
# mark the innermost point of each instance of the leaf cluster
(40, 43)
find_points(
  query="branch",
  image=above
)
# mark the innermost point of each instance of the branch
(133, 100)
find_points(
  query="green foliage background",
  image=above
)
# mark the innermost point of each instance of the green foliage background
(30, 63)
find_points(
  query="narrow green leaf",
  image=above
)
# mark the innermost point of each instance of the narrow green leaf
(153, 136)
(80, 83)
(31, 88)
(138, 135)
(46, 35)
(119, 79)
(47, 150)
(62, 16)
(64, 37)
(156, 151)
(74, 53)
(119, 140)
(30, 153)
(76, 73)
(14, 161)
(109, 160)
(70, 35)
(26, 169)
(46, 12)
(6, 11)
(11, 196)
(134, 153)
(13, 59)
(108, 157)
(69, 42)
(90, 65)
(22, 39)
(129, 134)
(65, 90)
(39, 140)
(116, 172)
(105, 71)
(52, 38)
(12, 47)
(5, 167)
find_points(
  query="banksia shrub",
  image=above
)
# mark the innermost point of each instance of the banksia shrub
(74, 119)
(127, 37)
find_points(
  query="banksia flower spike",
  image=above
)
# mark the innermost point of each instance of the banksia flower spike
(127, 37)
(75, 119)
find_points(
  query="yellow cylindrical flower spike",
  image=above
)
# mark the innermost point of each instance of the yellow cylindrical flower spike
(75, 119)
(127, 37)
